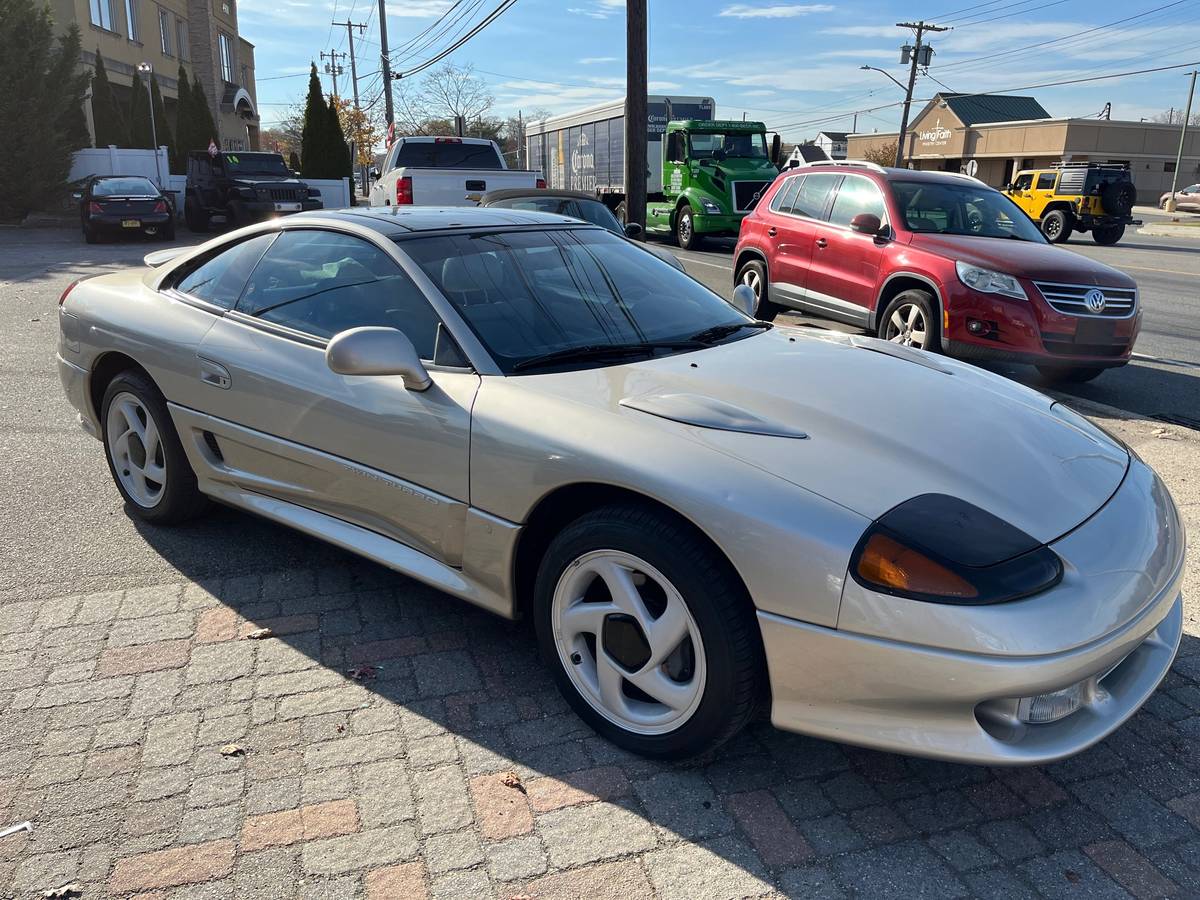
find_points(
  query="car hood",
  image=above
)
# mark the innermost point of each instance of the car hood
(260, 180)
(868, 424)
(1023, 258)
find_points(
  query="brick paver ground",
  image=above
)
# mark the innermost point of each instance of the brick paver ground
(117, 708)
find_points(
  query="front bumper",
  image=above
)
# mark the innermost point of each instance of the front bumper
(75, 385)
(265, 209)
(704, 223)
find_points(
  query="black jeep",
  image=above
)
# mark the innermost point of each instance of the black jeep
(242, 188)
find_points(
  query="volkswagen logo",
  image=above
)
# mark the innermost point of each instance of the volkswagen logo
(1095, 300)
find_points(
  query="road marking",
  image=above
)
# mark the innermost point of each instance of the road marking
(1166, 362)
(1148, 269)
(701, 262)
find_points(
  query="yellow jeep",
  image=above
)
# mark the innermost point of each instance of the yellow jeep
(1067, 197)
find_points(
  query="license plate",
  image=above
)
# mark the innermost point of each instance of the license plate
(130, 223)
(1095, 331)
(287, 207)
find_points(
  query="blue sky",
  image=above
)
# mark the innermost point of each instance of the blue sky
(793, 65)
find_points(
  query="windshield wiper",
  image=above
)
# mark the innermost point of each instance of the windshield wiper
(600, 351)
(716, 332)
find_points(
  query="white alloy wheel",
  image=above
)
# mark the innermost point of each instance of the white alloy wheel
(628, 642)
(907, 326)
(136, 448)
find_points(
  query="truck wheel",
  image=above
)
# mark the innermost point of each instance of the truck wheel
(195, 218)
(1057, 225)
(1107, 235)
(685, 229)
(754, 275)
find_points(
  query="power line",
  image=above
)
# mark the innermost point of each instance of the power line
(504, 6)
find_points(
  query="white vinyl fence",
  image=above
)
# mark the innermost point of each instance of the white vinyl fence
(335, 192)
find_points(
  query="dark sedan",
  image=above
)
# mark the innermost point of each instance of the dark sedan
(124, 204)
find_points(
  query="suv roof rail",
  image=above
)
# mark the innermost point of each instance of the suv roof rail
(1088, 165)
(849, 163)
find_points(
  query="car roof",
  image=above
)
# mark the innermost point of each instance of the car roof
(513, 193)
(889, 173)
(394, 220)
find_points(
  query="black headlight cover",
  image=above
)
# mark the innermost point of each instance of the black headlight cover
(979, 557)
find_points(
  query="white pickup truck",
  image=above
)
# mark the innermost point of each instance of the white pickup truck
(445, 171)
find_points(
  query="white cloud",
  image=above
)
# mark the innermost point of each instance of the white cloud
(597, 60)
(763, 92)
(779, 11)
(599, 9)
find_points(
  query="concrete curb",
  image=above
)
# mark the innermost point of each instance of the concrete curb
(1169, 230)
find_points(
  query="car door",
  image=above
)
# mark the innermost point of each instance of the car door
(1022, 194)
(363, 449)
(791, 234)
(1043, 188)
(844, 273)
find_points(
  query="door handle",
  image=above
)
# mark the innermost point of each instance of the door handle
(822, 243)
(772, 231)
(214, 373)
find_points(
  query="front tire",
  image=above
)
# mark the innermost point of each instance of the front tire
(753, 274)
(650, 635)
(911, 320)
(1069, 374)
(685, 229)
(1108, 235)
(144, 453)
(1056, 226)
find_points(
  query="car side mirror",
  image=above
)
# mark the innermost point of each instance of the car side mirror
(866, 223)
(373, 350)
(632, 229)
(1008, 188)
(744, 299)
(374, 173)
(77, 195)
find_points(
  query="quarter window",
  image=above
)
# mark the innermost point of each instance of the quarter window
(221, 278)
(1045, 181)
(102, 14)
(854, 197)
(782, 201)
(813, 196)
(322, 283)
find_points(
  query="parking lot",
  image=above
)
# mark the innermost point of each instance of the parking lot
(391, 742)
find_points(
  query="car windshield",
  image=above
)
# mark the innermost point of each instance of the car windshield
(530, 293)
(592, 211)
(939, 207)
(724, 146)
(447, 154)
(124, 187)
(256, 164)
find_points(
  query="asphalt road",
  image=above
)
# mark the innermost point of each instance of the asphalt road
(1163, 380)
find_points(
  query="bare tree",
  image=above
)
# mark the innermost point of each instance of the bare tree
(425, 105)
(1175, 117)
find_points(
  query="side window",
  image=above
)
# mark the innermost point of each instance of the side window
(782, 201)
(220, 279)
(813, 196)
(1023, 182)
(675, 147)
(1045, 181)
(322, 282)
(855, 196)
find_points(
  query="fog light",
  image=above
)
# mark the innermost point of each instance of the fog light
(1051, 707)
(977, 327)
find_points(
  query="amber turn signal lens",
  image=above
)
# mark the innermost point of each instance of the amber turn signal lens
(888, 563)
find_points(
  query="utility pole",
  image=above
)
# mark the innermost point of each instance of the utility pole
(520, 139)
(332, 68)
(635, 113)
(350, 26)
(386, 67)
(1187, 114)
(921, 29)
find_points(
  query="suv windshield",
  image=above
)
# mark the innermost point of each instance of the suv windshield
(941, 207)
(723, 146)
(592, 211)
(444, 154)
(527, 294)
(124, 187)
(255, 164)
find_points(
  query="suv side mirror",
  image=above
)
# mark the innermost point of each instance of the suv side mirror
(372, 350)
(866, 223)
(77, 195)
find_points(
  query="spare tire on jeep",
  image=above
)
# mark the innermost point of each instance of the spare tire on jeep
(1118, 197)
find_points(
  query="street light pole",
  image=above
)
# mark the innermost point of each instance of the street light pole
(146, 69)
(1182, 137)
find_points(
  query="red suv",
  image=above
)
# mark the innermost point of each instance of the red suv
(936, 261)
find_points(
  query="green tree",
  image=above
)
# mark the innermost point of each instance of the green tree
(206, 128)
(161, 125)
(314, 139)
(139, 115)
(294, 161)
(107, 118)
(340, 165)
(185, 140)
(39, 83)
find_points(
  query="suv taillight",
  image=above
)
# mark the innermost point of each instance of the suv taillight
(541, 184)
(404, 195)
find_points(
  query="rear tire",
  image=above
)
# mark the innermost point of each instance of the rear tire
(911, 319)
(89, 234)
(195, 217)
(753, 274)
(684, 598)
(145, 456)
(1057, 225)
(1108, 235)
(1069, 374)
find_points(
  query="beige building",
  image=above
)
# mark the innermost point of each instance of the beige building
(201, 34)
(1004, 134)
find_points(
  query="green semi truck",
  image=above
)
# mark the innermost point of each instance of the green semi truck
(705, 174)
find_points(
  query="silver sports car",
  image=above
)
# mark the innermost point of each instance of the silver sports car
(703, 514)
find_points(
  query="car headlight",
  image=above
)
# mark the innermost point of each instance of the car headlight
(313, 192)
(246, 193)
(709, 207)
(940, 549)
(988, 282)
